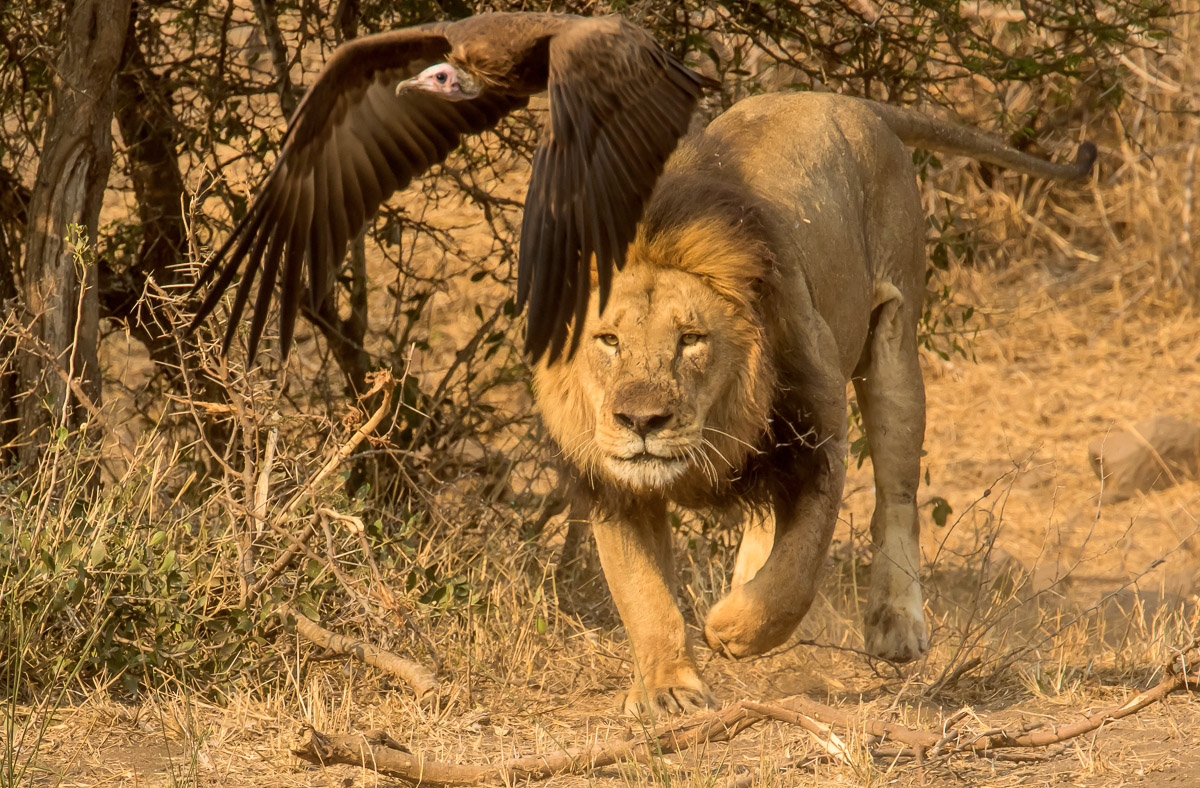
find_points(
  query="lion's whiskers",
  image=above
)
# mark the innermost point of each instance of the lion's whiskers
(690, 453)
(572, 447)
(702, 460)
(589, 454)
(754, 449)
(713, 446)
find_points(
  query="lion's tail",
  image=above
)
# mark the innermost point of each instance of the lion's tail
(919, 131)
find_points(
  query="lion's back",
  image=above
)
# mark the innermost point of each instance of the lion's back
(841, 198)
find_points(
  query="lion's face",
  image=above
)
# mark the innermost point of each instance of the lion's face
(667, 386)
(653, 366)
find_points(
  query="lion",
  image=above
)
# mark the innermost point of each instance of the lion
(781, 255)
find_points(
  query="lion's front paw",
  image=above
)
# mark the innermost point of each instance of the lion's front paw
(744, 625)
(671, 686)
(895, 632)
(649, 702)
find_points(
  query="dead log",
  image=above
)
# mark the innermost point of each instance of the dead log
(416, 675)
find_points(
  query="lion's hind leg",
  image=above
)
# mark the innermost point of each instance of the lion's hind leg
(891, 397)
(758, 537)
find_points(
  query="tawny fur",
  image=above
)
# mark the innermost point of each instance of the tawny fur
(781, 256)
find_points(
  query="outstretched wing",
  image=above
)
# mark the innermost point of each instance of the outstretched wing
(351, 143)
(618, 106)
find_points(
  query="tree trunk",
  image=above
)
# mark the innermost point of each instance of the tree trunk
(147, 124)
(59, 285)
(14, 204)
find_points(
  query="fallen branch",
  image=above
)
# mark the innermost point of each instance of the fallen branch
(1041, 735)
(417, 676)
(371, 751)
(379, 752)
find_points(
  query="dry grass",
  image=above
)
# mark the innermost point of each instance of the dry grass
(1043, 602)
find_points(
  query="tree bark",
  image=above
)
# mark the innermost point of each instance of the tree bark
(60, 287)
(268, 17)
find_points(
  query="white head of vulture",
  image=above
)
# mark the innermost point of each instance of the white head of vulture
(388, 106)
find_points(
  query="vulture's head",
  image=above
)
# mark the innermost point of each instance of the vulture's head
(443, 79)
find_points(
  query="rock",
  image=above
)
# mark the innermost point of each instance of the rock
(1156, 454)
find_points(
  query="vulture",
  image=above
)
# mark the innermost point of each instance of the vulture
(388, 106)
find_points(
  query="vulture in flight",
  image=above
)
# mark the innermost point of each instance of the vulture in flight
(388, 106)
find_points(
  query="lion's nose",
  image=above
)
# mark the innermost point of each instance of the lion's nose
(642, 423)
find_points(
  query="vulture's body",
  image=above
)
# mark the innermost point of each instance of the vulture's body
(383, 111)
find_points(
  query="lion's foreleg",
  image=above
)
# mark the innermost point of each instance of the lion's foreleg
(808, 476)
(635, 553)
(763, 613)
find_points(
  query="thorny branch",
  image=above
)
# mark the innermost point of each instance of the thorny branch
(383, 381)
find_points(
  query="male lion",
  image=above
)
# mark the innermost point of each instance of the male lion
(781, 255)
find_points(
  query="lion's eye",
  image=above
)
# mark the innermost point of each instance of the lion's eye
(690, 338)
(608, 339)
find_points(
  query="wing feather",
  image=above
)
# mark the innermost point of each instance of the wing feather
(266, 287)
(244, 288)
(320, 250)
(335, 214)
(618, 106)
(293, 269)
(530, 226)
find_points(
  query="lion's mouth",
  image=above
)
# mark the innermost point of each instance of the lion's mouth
(643, 457)
(647, 470)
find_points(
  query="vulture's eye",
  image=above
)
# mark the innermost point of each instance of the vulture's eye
(608, 339)
(441, 77)
(690, 338)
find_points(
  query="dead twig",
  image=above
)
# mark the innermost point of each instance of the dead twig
(370, 751)
(382, 381)
(417, 676)
(1176, 679)
(39, 348)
